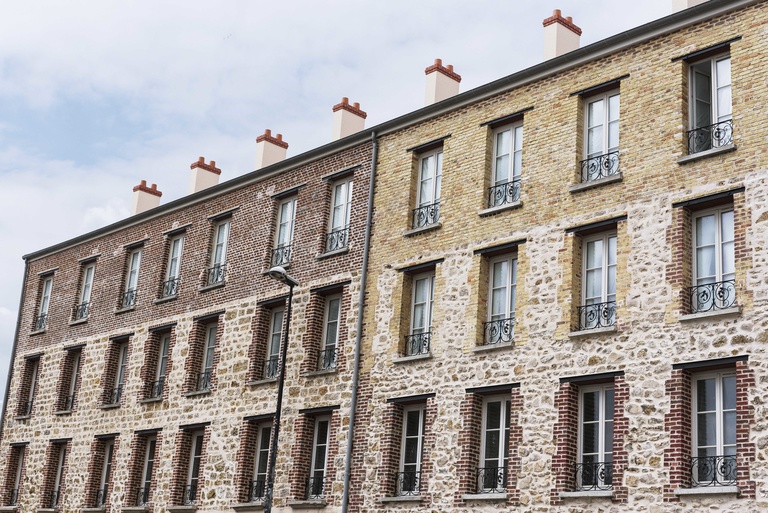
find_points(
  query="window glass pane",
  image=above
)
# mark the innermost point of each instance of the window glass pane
(707, 429)
(729, 428)
(493, 415)
(590, 439)
(705, 230)
(729, 393)
(412, 422)
(611, 250)
(594, 254)
(594, 284)
(705, 395)
(726, 225)
(438, 175)
(705, 262)
(492, 445)
(591, 406)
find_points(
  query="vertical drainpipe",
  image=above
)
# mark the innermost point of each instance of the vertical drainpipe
(359, 336)
(13, 351)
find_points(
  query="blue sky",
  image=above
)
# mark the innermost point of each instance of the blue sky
(96, 96)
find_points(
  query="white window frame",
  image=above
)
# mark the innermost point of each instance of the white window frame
(720, 247)
(275, 332)
(261, 459)
(62, 456)
(150, 456)
(86, 288)
(602, 423)
(319, 466)
(45, 297)
(430, 194)
(195, 460)
(220, 243)
(35, 363)
(721, 447)
(331, 326)
(122, 364)
(22, 451)
(428, 304)
(74, 375)
(286, 222)
(509, 288)
(162, 356)
(341, 204)
(513, 151)
(209, 349)
(603, 145)
(175, 249)
(606, 294)
(715, 113)
(132, 274)
(421, 409)
(106, 469)
(503, 450)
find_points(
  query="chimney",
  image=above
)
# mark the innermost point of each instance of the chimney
(145, 198)
(347, 119)
(681, 5)
(203, 175)
(560, 35)
(270, 150)
(442, 82)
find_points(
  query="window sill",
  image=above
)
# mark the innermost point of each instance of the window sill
(134, 509)
(423, 229)
(162, 300)
(708, 490)
(707, 153)
(94, 510)
(323, 372)
(501, 496)
(594, 331)
(215, 286)
(329, 254)
(258, 382)
(493, 347)
(9, 508)
(186, 508)
(151, 400)
(584, 186)
(109, 406)
(500, 208)
(587, 494)
(404, 498)
(308, 504)
(47, 510)
(79, 321)
(715, 313)
(198, 393)
(62, 412)
(248, 507)
(123, 310)
(38, 332)
(415, 358)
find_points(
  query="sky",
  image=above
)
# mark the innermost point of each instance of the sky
(96, 96)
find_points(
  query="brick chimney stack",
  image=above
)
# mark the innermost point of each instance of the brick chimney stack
(203, 175)
(347, 119)
(442, 82)
(560, 35)
(681, 5)
(270, 150)
(145, 198)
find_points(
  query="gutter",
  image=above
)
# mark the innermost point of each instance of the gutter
(13, 352)
(359, 335)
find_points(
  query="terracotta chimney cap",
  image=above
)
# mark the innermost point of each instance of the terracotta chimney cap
(267, 136)
(208, 167)
(565, 22)
(150, 190)
(354, 108)
(445, 70)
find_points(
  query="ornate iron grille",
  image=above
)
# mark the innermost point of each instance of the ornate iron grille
(504, 193)
(710, 136)
(598, 315)
(129, 299)
(203, 382)
(81, 311)
(215, 274)
(101, 498)
(337, 239)
(281, 255)
(13, 497)
(68, 402)
(256, 490)
(598, 167)
(491, 480)
(270, 367)
(170, 287)
(113, 396)
(142, 497)
(408, 483)
(326, 359)
(315, 487)
(156, 389)
(25, 408)
(713, 471)
(426, 215)
(593, 476)
(498, 331)
(40, 322)
(418, 343)
(53, 498)
(189, 495)
(713, 296)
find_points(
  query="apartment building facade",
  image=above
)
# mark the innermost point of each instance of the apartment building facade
(563, 289)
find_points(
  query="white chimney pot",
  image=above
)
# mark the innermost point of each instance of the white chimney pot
(145, 198)
(681, 5)
(560, 35)
(269, 149)
(203, 175)
(347, 119)
(442, 82)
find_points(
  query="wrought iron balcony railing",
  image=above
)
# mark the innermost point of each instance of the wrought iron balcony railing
(491, 480)
(156, 389)
(593, 476)
(256, 490)
(504, 194)
(67, 403)
(418, 343)
(499, 331)
(408, 483)
(101, 497)
(40, 322)
(337, 239)
(216, 274)
(713, 296)
(128, 300)
(710, 136)
(281, 255)
(326, 359)
(25, 408)
(713, 471)
(600, 166)
(142, 497)
(189, 495)
(270, 367)
(597, 315)
(316, 486)
(426, 215)
(203, 381)
(54, 498)
(81, 311)
(12, 498)
(112, 396)
(170, 287)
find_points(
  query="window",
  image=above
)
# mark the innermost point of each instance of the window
(507, 165)
(494, 456)
(714, 286)
(327, 358)
(261, 462)
(41, 321)
(193, 470)
(714, 429)
(594, 467)
(500, 327)
(209, 351)
(117, 361)
(70, 376)
(162, 366)
(217, 270)
(601, 137)
(427, 211)
(408, 480)
(711, 116)
(28, 387)
(286, 219)
(422, 304)
(128, 299)
(341, 210)
(107, 452)
(147, 470)
(173, 268)
(598, 308)
(14, 475)
(317, 474)
(56, 475)
(272, 363)
(83, 308)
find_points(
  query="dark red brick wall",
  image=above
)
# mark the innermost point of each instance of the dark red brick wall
(566, 439)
